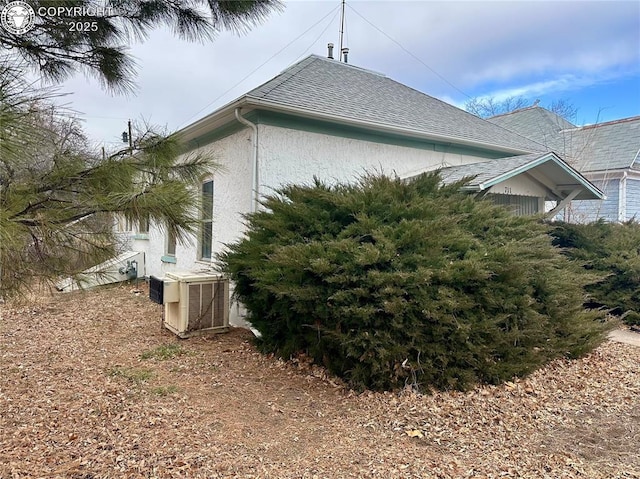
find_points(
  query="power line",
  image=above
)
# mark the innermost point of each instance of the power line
(319, 36)
(260, 66)
(410, 54)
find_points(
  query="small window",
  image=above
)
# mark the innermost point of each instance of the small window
(143, 225)
(206, 225)
(124, 225)
(171, 243)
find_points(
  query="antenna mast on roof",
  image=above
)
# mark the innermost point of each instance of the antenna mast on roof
(341, 30)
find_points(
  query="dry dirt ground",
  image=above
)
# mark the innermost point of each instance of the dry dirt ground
(92, 387)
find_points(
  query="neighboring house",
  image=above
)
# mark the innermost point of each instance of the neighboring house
(605, 153)
(335, 121)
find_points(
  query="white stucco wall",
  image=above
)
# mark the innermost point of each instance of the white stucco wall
(231, 197)
(293, 156)
(285, 156)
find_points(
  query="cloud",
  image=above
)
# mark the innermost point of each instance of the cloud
(476, 48)
(471, 43)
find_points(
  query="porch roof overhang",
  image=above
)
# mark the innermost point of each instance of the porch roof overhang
(558, 178)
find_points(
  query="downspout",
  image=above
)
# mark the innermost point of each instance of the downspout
(254, 159)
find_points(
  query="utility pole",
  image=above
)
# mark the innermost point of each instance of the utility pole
(130, 137)
(126, 137)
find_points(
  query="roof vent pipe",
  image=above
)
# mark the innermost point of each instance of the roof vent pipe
(330, 48)
(345, 52)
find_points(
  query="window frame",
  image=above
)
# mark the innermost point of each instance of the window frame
(143, 225)
(205, 233)
(170, 244)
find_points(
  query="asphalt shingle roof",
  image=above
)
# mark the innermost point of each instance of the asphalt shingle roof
(485, 171)
(485, 174)
(343, 91)
(536, 123)
(606, 146)
(600, 147)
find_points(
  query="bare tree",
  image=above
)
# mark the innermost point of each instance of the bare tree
(565, 109)
(57, 195)
(486, 107)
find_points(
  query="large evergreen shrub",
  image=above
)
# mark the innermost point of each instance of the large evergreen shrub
(613, 250)
(387, 283)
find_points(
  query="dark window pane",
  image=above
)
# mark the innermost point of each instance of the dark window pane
(206, 238)
(207, 200)
(171, 244)
(206, 228)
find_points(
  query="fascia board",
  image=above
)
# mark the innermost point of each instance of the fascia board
(539, 161)
(219, 118)
(371, 125)
(212, 121)
(515, 172)
(612, 174)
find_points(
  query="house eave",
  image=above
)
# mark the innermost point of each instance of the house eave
(225, 115)
(618, 173)
(217, 119)
(382, 127)
(582, 180)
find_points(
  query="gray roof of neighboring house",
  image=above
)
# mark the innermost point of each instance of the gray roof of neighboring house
(486, 174)
(600, 147)
(536, 123)
(344, 92)
(605, 146)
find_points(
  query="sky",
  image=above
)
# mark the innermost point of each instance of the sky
(585, 52)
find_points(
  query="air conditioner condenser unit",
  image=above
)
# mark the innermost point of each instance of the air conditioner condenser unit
(195, 304)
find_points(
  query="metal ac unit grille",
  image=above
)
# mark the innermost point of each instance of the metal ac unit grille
(206, 306)
(156, 290)
(219, 303)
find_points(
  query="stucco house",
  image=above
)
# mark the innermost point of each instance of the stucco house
(605, 153)
(324, 118)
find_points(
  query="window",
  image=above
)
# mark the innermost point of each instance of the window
(123, 224)
(170, 248)
(206, 225)
(171, 243)
(143, 225)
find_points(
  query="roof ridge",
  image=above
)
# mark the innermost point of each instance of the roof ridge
(292, 70)
(284, 76)
(604, 123)
(349, 65)
(530, 107)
